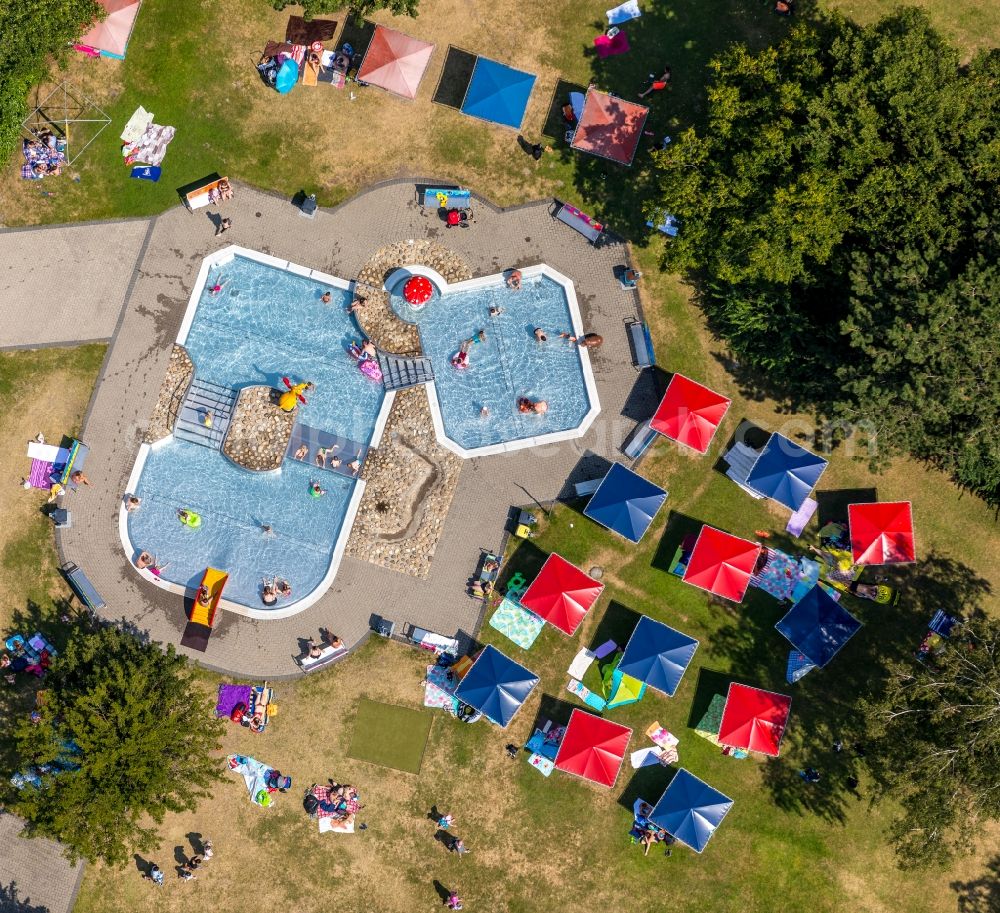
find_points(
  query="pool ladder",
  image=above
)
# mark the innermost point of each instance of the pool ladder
(399, 372)
(202, 397)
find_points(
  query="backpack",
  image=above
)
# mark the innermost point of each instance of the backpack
(311, 804)
(238, 712)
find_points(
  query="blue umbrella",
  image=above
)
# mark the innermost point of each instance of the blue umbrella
(287, 76)
(496, 686)
(657, 655)
(818, 626)
(498, 93)
(625, 502)
(690, 810)
(785, 472)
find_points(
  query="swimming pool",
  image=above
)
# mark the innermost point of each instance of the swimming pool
(267, 322)
(507, 365)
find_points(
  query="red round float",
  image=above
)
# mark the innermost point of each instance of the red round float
(417, 291)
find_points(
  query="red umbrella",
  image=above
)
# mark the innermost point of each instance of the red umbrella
(722, 563)
(418, 290)
(689, 413)
(561, 594)
(754, 720)
(881, 533)
(593, 748)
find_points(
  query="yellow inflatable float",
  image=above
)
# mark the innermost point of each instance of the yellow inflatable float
(189, 518)
(293, 395)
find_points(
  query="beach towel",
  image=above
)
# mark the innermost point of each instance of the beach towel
(229, 697)
(797, 522)
(437, 690)
(136, 126)
(310, 73)
(48, 453)
(581, 663)
(647, 757)
(254, 774)
(332, 826)
(151, 147)
(517, 624)
(543, 765)
(623, 13)
(586, 695)
(610, 47)
(40, 475)
(661, 737)
(799, 665)
(298, 31)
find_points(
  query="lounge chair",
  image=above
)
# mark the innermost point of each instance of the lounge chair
(82, 586)
(641, 344)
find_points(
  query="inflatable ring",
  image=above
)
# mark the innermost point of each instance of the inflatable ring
(316, 47)
(193, 520)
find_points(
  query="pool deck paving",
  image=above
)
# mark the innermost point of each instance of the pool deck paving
(158, 277)
(35, 877)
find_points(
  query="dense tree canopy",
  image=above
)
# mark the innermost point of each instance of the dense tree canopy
(358, 8)
(31, 31)
(141, 734)
(934, 743)
(840, 210)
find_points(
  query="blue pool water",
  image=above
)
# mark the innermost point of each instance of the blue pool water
(266, 323)
(510, 364)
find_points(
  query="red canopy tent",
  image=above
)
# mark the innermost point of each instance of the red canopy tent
(609, 126)
(722, 563)
(689, 413)
(562, 594)
(395, 62)
(593, 748)
(881, 533)
(754, 720)
(110, 36)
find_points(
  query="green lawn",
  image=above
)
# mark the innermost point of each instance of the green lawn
(390, 736)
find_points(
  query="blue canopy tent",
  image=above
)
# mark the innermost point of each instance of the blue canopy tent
(657, 655)
(818, 626)
(625, 503)
(690, 810)
(498, 93)
(785, 472)
(496, 686)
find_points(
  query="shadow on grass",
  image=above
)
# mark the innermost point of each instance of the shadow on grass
(980, 895)
(455, 77)
(679, 527)
(555, 126)
(648, 784)
(825, 703)
(833, 504)
(618, 623)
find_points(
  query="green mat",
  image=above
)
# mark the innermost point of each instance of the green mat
(708, 726)
(390, 736)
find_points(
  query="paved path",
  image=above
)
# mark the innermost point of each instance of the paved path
(338, 242)
(34, 875)
(67, 283)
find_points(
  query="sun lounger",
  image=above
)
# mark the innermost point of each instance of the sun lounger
(428, 640)
(327, 654)
(639, 441)
(586, 489)
(83, 588)
(641, 344)
(310, 73)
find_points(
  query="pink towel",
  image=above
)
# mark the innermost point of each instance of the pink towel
(39, 475)
(608, 47)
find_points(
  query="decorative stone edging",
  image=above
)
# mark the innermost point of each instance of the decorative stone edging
(180, 373)
(411, 480)
(377, 319)
(259, 430)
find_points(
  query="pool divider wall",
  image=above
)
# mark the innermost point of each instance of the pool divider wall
(491, 281)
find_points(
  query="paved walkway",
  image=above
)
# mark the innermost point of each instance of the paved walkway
(339, 242)
(35, 877)
(66, 284)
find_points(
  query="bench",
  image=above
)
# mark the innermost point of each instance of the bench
(82, 586)
(638, 442)
(201, 194)
(641, 344)
(579, 221)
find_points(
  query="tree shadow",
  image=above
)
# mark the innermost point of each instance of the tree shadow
(825, 702)
(980, 895)
(12, 902)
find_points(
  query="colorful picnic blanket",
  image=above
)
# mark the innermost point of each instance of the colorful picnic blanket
(786, 577)
(517, 624)
(229, 697)
(254, 774)
(39, 154)
(40, 475)
(151, 147)
(438, 690)
(708, 726)
(136, 126)
(542, 764)
(609, 47)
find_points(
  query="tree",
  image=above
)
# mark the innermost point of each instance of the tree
(130, 719)
(933, 744)
(358, 8)
(31, 32)
(840, 213)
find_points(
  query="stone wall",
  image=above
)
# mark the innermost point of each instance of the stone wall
(180, 372)
(411, 481)
(258, 431)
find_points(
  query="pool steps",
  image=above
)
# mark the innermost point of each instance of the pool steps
(204, 396)
(399, 372)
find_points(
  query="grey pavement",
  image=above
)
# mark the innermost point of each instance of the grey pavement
(339, 241)
(66, 283)
(34, 875)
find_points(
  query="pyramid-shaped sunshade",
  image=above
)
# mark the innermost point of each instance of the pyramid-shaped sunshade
(593, 748)
(657, 655)
(754, 720)
(722, 563)
(395, 62)
(881, 533)
(562, 594)
(498, 93)
(609, 126)
(689, 413)
(496, 685)
(818, 626)
(625, 502)
(785, 472)
(690, 810)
